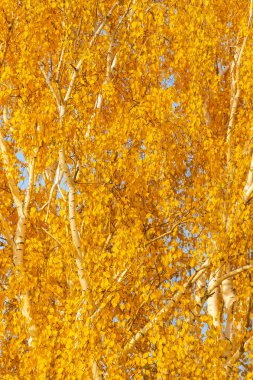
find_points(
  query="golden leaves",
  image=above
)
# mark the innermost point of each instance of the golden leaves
(142, 155)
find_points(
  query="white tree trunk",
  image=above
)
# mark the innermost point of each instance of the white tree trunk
(213, 301)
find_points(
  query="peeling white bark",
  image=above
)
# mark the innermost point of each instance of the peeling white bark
(229, 299)
(213, 301)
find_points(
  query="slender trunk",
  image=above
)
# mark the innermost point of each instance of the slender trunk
(77, 244)
(20, 233)
(18, 259)
(72, 220)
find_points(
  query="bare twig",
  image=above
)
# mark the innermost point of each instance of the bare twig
(167, 233)
(53, 237)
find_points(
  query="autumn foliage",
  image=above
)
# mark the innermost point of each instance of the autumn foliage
(126, 186)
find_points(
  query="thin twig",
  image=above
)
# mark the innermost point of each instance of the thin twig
(167, 233)
(41, 66)
(54, 238)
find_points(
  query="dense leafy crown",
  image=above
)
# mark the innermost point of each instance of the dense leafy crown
(126, 176)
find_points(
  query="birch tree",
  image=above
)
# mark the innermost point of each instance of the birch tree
(126, 168)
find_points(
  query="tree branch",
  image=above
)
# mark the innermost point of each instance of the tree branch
(41, 66)
(162, 311)
(103, 23)
(166, 233)
(228, 275)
